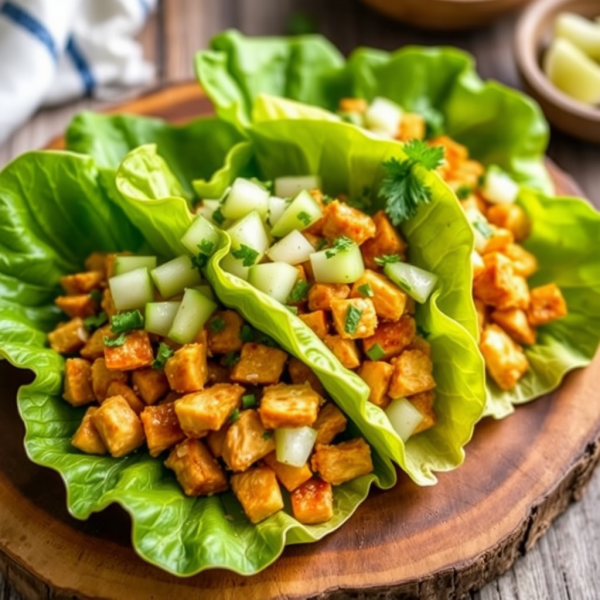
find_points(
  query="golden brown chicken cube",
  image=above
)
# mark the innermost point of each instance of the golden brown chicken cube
(301, 373)
(68, 338)
(94, 347)
(421, 344)
(82, 283)
(118, 426)
(187, 369)
(344, 350)
(547, 305)
(354, 318)
(150, 384)
(208, 409)
(341, 220)
(392, 338)
(377, 375)
(78, 382)
(108, 304)
(161, 427)
(504, 359)
(134, 353)
(198, 473)
(82, 305)
(387, 241)
(312, 502)
(412, 374)
(118, 388)
(96, 261)
(216, 373)
(358, 105)
(511, 217)
(215, 440)
(424, 404)
(498, 241)
(454, 153)
(289, 406)
(389, 301)
(330, 421)
(103, 377)
(514, 322)
(497, 285)
(258, 492)
(412, 127)
(321, 295)
(259, 365)
(342, 462)
(290, 477)
(524, 263)
(86, 438)
(246, 441)
(223, 331)
(317, 321)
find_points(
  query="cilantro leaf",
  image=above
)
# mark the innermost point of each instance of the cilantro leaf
(365, 290)
(384, 259)
(206, 246)
(246, 254)
(339, 245)
(423, 332)
(299, 291)
(483, 227)
(353, 316)
(162, 356)
(249, 401)
(463, 192)
(199, 261)
(127, 321)
(304, 218)
(231, 359)
(115, 342)
(246, 334)
(91, 323)
(218, 216)
(292, 309)
(235, 415)
(96, 296)
(216, 325)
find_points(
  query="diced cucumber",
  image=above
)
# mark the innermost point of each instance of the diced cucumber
(124, 264)
(232, 265)
(294, 445)
(250, 232)
(244, 197)
(582, 32)
(337, 266)
(194, 311)
(275, 279)
(160, 316)
(206, 290)
(293, 249)
(303, 211)
(131, 290)
(208, 208)
(384, 117)
(277, 207)
(288, 187)
(200, 237)
(417, 283)
(174, 276)
(498, 187)
(404, 417)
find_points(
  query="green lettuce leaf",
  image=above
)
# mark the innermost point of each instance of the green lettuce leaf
(53, 213)
(499, 125)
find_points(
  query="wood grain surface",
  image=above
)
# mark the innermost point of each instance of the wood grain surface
(565, 562)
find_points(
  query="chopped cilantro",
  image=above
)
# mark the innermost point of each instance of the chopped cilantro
(164, 353)
(218, 216)
(246, 254)
(292, 309)
(483, 227)
(321, 244)
(206, 246)
(246, 334)
(299, 291)
(375, 352)
(353, 316)
(199, 261)
(248, 401)
(384, 259)
(234, 416)
(267, 435)
(249, 334)
(216, 325)
(304, 218)
(423, 332)
(365, 290)
(327, 199)
(115, 342)
(91, 323)
(96, 295)
(269, 185)
(127, 321)
(463, 192)
(231, 359)
(340, 244)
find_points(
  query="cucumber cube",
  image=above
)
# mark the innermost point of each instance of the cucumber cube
(244, 197)
(174, 276)
(303, 211)
(275, 279)
(124, 264)
(343, 266)
(288, 187)
(159, 317)
(404, 417)
(131, 290)
(417, 283)
(195, 309)
(200, 237)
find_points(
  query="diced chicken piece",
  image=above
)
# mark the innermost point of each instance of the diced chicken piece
(161, 427)
(357, 105)
(108, 304)
(223, 331)
(289, 406)
(389, 301)
(412, 127)
(82, 305)
(290, 477)
(469, 173)
(412, 374)
(259, 365)
(209, 409)
(524, 263)
(316, 241)
(187, 369)
(504, 359)
(343, 220)
(109, 262)
(321, 295)
(134, 353)
(78, 382)
(454, 153)
(354, 318)
(216, 373)
(301, 373)
(342, 462)
(102, 377)
(118, 426)
(344, 350)
(511, 217)
(514, 322)
(547, 305)
(201, 338)
(424, 404)
(392, 338)
(330, 421)
(215, 440)
(498, 241)
(317, 321)
(94, 347)
(86, 438)
(150, 384)
(246, 441)
(258, 492)
(198, 473)
(387, 241)
(498, 285)
(82, 283)
(377, 376)
(312, 502)
(309, 274)
(68, 338)
(96, 261)
(421, 344)
(118, 388)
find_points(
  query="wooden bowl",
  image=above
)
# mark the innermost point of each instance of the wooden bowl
(534, 32)
(445, 14)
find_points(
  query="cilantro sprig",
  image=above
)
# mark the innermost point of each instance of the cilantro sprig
(246, 254)
(340, 244)
(162, 356)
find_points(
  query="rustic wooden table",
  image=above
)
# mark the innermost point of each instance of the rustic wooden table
(566, 562)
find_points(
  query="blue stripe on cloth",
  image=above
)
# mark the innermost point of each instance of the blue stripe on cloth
(145, 8)
(75, 54)
(28, 22)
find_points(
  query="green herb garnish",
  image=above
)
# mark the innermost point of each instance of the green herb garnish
(353, 316)
(96, 296)
(299, 291)
(321, 244)
(234, 416)
(365, 290)
(375, 352)
(248, 401)
(249, 334)
(246, 334)
(199, 261)
(463, 192)
(483, 227)
(231, 359)
(216, 325)
(423, 332)
(292, 309)
(162, 356)
(218, 216)
(91, 323)
(304, 218)
(267, 435)
(127, 321)
(246, 254)
(384, 259)
(115, 342)
(340, 244)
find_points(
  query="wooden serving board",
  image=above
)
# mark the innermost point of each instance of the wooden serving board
(436, 542)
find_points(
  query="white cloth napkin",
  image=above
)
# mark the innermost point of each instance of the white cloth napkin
(54, 51)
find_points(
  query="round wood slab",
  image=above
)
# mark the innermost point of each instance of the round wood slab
(437, 542)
